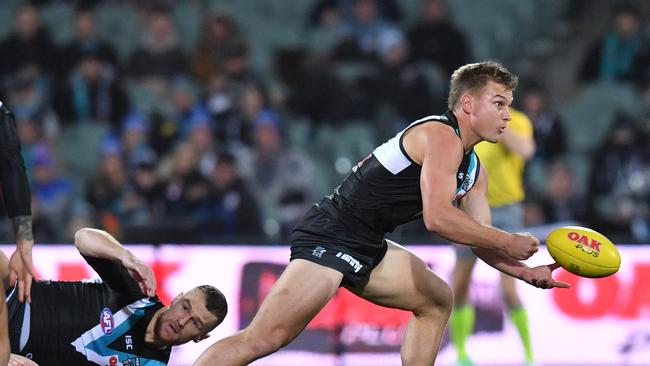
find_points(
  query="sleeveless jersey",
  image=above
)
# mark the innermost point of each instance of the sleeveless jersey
(383, 190)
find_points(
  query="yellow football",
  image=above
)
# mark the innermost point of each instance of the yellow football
(583, 251)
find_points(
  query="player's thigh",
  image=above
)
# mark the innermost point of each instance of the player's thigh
(300, 293)
(403, 281)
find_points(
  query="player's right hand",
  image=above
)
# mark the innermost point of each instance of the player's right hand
(142, 273)
(21, 269)
(521, 246)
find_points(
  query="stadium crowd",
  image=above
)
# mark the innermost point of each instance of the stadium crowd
(166, 121)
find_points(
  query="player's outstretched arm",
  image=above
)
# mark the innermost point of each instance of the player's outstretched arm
(440, 152)
(100, 244)
(475, 204)
(17, 198)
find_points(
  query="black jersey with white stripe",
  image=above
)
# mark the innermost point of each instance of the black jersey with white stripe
(383, 190)
(87, 323)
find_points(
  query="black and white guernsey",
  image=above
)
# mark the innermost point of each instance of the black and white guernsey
(383, 190)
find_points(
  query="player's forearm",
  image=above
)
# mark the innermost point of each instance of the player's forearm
(500, 261)
(23, 229)
(100, 244)
(453, 224)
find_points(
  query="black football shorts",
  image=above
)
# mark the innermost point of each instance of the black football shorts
(321, 238)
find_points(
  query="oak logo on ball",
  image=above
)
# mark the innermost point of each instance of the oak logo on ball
(585, 243)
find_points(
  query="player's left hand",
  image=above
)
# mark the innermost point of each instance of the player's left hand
(142, 273)
(21, 268)
(540, 276)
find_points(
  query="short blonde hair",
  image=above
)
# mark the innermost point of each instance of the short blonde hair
(473, 77)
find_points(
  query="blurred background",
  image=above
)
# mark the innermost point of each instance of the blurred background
(229, 118)
(221, 121)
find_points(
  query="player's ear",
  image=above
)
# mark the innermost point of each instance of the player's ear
(466, 103)
(201, 337)
(177, 297)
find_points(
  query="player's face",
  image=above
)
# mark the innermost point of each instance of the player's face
(186, 319)
(491, 111)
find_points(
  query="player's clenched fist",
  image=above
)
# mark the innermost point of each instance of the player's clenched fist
(521, 246)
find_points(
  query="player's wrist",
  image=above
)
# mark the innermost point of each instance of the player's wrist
(127, 258)
(521, 272)
(504, 241)
(21, 242)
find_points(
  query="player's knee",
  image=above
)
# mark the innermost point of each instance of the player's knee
(439, 301)
(269, 342)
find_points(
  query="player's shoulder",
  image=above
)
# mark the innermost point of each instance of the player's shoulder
(435, 133)
(433, 139)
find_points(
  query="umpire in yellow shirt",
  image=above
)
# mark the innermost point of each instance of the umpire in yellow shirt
(505, 162)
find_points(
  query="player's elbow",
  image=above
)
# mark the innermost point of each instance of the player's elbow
(81, 237)
(434, 223)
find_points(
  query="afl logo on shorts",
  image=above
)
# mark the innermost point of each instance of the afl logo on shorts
(106, 321)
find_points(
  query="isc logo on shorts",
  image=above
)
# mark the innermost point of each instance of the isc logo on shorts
(106, 321)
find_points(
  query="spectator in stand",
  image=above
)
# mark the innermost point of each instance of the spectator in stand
(550, 137)
(619, 186)
(233, 100)
(400, 83)
(237, 67)
(387, 9)
(200, 133)
(219, 37)
(613, 55)
(239, 130)
(235, 212)
(143, 178)
(166, 123)
(561, 201)
(184, 188)
(53, 196)
(361, 32)
(116, 203)
(86, 39)
(328, 104)
(91, 93)
(159, 58)
(133, 136)
(281, 179)
(434, 38)
(28, 43)
(28, 94)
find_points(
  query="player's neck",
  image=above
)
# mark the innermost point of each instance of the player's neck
(150, 334)
(467, 135)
